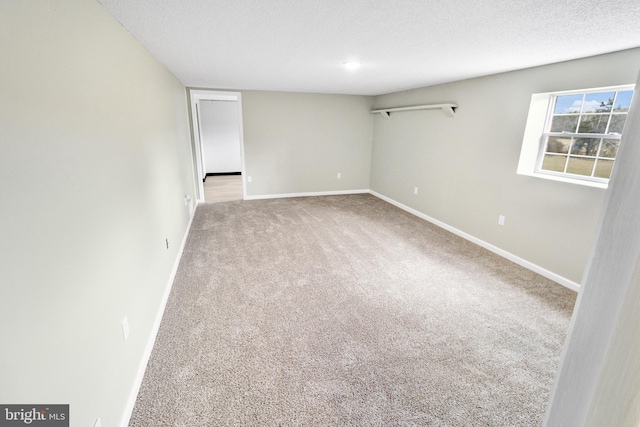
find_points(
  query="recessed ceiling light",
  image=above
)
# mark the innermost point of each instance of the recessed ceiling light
(351, 65)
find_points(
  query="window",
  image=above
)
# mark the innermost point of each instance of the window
(578, 137)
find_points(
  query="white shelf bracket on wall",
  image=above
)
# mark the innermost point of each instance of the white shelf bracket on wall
(448, 109)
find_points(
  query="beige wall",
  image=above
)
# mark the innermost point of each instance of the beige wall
(465, 167)
(298, 142)
(95, 164)
(616, 398)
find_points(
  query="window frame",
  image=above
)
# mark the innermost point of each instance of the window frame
(537, 130)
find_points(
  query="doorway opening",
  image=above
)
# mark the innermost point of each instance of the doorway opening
(216, 120)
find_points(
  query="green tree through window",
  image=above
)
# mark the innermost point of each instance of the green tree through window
(582, 133)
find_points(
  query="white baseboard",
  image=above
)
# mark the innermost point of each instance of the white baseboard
(126, 417)
(511, 257)
(311, 194)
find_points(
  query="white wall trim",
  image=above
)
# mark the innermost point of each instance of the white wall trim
(309, 194)
(133, 395)
(508, 255)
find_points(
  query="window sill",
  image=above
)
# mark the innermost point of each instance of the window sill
(569, 180)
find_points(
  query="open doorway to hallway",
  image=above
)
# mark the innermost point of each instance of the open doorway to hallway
(218, 144)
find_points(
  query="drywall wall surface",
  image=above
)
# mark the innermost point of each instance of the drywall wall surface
(220, 128)
(617, 398)
(598, 383)
(297, 142)
(96, 160)
(465, 167)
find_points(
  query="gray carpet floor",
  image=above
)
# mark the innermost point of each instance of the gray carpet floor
(347, 311)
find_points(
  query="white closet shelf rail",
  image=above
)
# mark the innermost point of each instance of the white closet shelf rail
(449, 109)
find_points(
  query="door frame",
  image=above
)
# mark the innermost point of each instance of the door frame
(195, 96)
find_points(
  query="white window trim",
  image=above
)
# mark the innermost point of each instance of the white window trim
(539, 110)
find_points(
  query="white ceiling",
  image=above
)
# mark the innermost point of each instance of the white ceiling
(301, 45)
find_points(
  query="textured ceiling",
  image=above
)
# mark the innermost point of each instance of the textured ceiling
(300, 45)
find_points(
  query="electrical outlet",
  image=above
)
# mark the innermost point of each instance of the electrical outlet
(501, 220)
(339, 175)
(415, 190)
(166, 241)
(125, 328)
(249, 179)
(187, 199)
